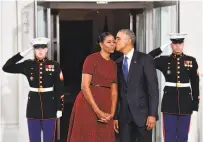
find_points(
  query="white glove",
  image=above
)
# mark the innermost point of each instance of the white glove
(58, 114)
(26, 52)
(164, 46)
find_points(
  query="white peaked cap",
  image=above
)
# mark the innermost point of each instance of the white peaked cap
(40, 40)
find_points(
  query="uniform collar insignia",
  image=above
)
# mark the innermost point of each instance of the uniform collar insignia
(177, 56)
(40, 61)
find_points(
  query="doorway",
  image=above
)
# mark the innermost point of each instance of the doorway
(75, 46)
(118, 17)
(78, 33)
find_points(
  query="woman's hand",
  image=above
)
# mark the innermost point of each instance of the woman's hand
(104, 117)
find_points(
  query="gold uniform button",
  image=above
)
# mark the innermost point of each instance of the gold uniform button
(40, 86)
(40, 81)
(178, 81)
(178, 76)
(40, 68)
(178, 72)
(40, 72)
(178, 59)
(40, 77)
(40, 64)
(178, 67)
(178, 62)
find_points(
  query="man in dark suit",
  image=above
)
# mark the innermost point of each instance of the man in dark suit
(138, 91)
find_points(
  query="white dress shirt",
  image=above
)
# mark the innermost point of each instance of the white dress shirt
(130, 56)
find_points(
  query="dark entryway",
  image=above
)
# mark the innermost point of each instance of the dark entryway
(75, 46)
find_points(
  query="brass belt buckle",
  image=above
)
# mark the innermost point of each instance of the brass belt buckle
(40, 89)
(179, 85)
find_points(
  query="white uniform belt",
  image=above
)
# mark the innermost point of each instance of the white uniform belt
(171, 84)
(41, 89)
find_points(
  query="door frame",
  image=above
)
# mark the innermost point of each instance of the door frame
(149, 16)
(115, 4)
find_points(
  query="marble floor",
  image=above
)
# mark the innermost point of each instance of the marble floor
(12, 134)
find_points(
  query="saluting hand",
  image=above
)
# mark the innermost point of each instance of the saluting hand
(26, 52)
(164, 46)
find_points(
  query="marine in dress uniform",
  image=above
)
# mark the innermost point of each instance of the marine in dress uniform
(181, 90)
(46, 98)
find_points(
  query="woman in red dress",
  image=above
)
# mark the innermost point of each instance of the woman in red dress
(91, 117)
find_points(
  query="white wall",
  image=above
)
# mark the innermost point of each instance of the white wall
(9, 82)
(191, 23)
(14, 37)
(0, 63)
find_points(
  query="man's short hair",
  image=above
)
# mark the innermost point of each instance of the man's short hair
(129, 33)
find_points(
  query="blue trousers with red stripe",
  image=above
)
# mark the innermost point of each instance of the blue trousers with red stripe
(176, 127)
(36, 126)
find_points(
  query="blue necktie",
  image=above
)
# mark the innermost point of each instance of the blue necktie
(125, 68)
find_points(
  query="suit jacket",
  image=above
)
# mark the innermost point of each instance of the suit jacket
(140, 92)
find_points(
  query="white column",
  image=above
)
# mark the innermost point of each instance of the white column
(0, 52)
(1, 70)
(149, 28)
(25, 34)
(201, 97)
(191, 23)
(13, 88)
(9, 82)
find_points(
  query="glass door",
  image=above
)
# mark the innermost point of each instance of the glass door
(55, 35)
(140, 32)
(137, 25)
(47, 25)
